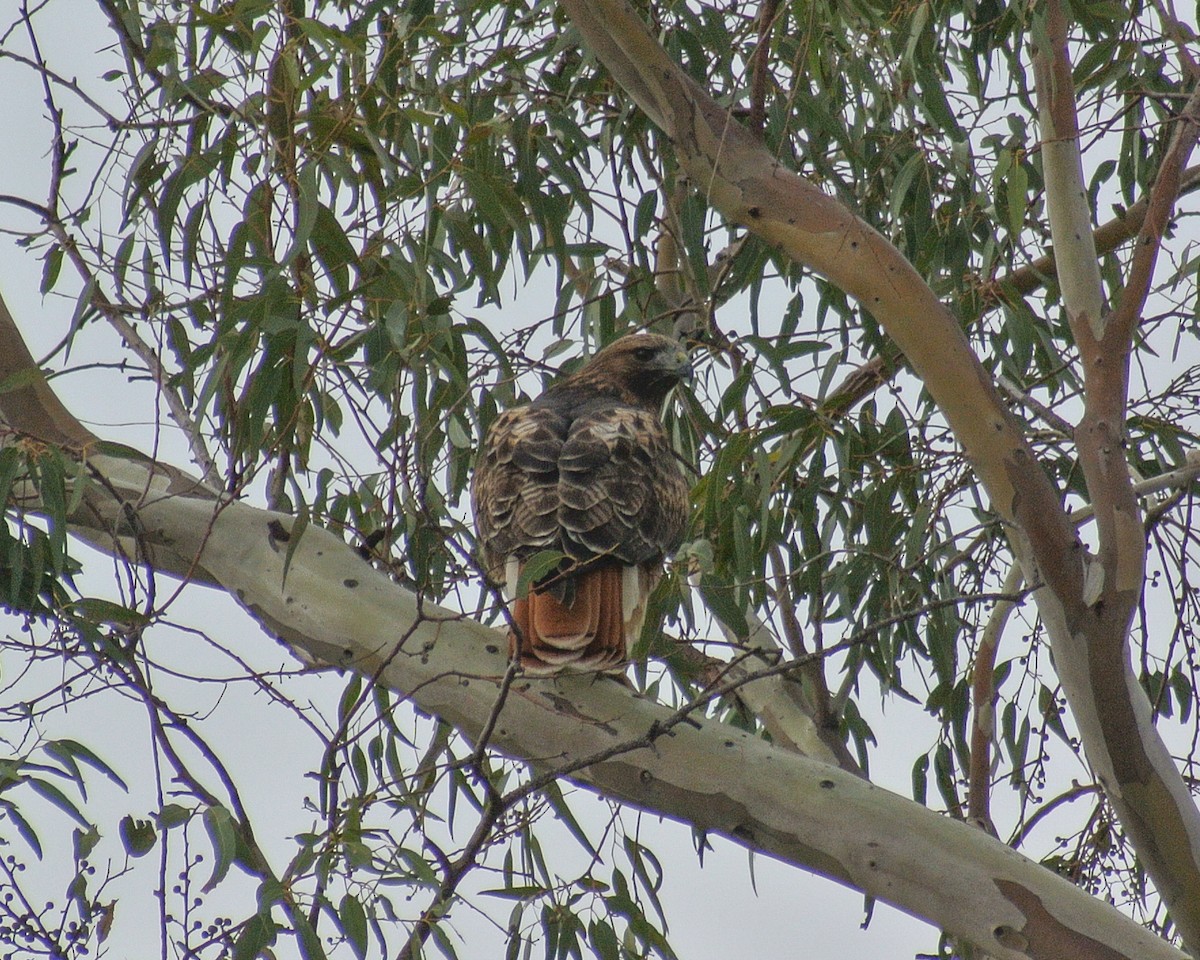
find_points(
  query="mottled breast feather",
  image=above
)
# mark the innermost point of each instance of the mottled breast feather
(602, 484)
(586, 470)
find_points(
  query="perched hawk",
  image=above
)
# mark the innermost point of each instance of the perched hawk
(586, 470)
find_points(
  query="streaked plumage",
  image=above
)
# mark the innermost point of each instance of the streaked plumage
(585, 469)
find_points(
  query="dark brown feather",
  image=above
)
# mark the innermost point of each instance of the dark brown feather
(587, 470)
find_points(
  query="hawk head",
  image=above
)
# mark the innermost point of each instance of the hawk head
(641, 368)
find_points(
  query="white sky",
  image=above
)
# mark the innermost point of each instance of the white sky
(713, 912)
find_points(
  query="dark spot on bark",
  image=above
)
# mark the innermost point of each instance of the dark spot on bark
(278, 531)
(350, 582)
(754, 212)
(464, 682)
(1009, 937)
(827, 784)
(743, 832)
(288, 600)
(646, 776)
(347, 654)
(729, 743)
(492, 648)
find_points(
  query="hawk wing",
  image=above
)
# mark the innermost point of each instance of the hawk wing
(514, 491)
(600, 484)
(621, 492)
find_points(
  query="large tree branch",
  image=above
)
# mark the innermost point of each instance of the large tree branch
(746, 183)
(864, 380)
(1067, 205)
(1108, 702)
(319, 596)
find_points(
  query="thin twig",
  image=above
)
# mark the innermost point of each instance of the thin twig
(983, 697)
(760, 65)
(115, 315)
(1014, 392)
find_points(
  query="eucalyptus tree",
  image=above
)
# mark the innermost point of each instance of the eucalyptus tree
(935, 265)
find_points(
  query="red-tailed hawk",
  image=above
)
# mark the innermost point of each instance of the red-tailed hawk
(586, 470)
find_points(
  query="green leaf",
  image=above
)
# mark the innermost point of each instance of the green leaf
(604, 940)
(53, 490)
(138, 836)
(721, 599)
(299, 525)
(99, 610)
(516, 892)
(354, 923)
(173, 815)
(222, 831)
(1016, 192)
(558, 803)
(643, 217)
(84, 308)
(84, 842)
(257, 934)
(540, 565)
(24, 827)
(310, 944)
(11, 463)
(333, 248)
(59, 799)
(920, 779)
(74, 750)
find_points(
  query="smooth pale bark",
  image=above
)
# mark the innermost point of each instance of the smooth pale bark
(1067, 206)
(1110, 707)
(339, 610)
(742, 180)
(314, 592)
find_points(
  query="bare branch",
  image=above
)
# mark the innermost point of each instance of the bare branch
(983, 701)
(340, 610)
(116, 316)
(760, 65)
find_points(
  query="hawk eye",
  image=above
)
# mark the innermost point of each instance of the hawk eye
(644, 354)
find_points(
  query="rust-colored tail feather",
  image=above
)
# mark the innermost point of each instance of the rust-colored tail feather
(568, 626)
(590, 633)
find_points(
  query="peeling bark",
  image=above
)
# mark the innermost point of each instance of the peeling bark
(1093, 658)
(741, 179)
(339, 610)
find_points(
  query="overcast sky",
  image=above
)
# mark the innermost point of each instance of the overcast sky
(713, 910)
